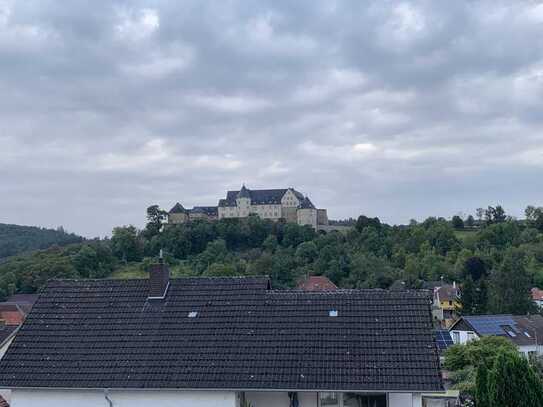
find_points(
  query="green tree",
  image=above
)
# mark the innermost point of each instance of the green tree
(457, 222)
(510, 285)
(155, 219)
(127, 244)
(470, 221)
(482, 392)
(364, 222)
(514, 383)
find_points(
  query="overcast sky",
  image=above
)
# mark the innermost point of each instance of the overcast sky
(392, 109)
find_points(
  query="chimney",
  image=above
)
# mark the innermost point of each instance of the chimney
(159, 280)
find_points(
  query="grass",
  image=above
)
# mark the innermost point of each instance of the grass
(129, 271)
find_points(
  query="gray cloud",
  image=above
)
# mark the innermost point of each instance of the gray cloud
(393, 109)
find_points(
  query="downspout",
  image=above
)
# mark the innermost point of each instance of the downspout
(106, 396)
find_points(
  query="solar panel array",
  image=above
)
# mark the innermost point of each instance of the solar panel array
(491, 325)
(443, 340)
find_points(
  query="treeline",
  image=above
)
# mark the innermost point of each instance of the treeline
(15, 239)
(496, 264)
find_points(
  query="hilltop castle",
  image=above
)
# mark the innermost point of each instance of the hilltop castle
(274, 204)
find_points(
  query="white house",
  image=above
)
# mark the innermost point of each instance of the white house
(221, 342)
(524, 331)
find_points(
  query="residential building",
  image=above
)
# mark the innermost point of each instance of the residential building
(316, 283)
(210, 342)
(537, 296)
(274, 204)
(12, 314)
(524, 331)
(446, 304)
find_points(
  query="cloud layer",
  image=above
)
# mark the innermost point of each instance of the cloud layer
(392, 109)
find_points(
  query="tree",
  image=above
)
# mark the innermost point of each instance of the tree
(155, 219)
(364, 221)
(495, 215)
(510, 285)
(457, 222)
(126, 243)
(512, 383)
(534, 217)
(479, 212)
(470, 221)
(482, 393)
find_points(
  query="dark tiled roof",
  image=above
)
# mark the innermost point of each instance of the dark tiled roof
(307, 204)
(243, 193)
(23, 298)
(106, 334)
(178, 208)
(259, 196)
(207, 210)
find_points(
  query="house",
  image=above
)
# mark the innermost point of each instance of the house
(537, 296)
(316, 283)
(273, 204)
(14, 310)
(222, 341)
(525, 331)
(446, 304)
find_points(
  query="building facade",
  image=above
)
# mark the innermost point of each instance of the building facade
(273, 204)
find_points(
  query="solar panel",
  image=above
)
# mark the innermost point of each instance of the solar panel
(491, 325)
(443, 339)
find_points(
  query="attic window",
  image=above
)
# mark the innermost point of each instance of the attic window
(333, 313)
(527, 334)
(193, 314)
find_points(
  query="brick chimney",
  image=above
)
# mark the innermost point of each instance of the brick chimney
(159, 280)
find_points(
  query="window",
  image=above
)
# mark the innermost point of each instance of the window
(329, 399)
(456, 336)
(471, 336)
(352, 400)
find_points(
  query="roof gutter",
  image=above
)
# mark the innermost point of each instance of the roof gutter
(108, 390)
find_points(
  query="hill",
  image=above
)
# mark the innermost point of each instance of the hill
(15, 239)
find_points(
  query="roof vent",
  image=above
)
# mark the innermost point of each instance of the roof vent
(159, 280)
(193, 314)
(333, 313)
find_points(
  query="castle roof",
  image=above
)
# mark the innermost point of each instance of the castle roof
(258, 196)
(244, 193)
(307, 204)
(178, 208)
(208, 210)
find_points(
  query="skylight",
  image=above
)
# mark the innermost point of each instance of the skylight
(193, 314)
(333, 313)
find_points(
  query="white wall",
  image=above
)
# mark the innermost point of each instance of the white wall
(404, 400)
(463, 336)
(136, 398)
(280, 399)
